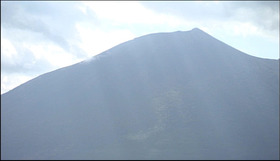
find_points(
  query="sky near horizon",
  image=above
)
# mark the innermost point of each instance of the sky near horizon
(39, 37)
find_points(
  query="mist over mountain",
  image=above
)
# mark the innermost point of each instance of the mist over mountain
(179, 95)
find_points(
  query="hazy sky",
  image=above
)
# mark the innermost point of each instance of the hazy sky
(38, 37)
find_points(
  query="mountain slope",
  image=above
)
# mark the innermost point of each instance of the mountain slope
(180, 95)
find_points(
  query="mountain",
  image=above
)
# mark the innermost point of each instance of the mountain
(179, 95)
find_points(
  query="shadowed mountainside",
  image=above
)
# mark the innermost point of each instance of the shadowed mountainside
(180, 95)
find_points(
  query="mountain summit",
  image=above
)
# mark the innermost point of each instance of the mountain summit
(179, 95)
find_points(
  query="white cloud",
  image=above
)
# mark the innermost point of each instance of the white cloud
(130, 13)
(241, 29)
(8, 51)
(95, 41)
(55, 55)
(245, 29)
(122, 12)
(259, 18)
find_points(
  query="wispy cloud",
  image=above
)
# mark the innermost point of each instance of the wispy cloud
(262, 15)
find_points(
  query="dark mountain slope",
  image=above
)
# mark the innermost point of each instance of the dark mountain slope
(180, 95)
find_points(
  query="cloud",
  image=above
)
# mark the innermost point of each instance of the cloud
(262, 14)
(189, 10)
(133, 16)
(95, 41)
(53, 21)
(17, 68)
(37, 37)
(123, 12)
(263, 17)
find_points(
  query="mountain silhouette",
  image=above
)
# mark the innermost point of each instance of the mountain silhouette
(179, 95)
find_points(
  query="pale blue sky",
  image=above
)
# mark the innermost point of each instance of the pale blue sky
(38, 37)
